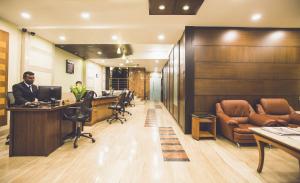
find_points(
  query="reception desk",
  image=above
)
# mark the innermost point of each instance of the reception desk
(100, 109)
(37, 131)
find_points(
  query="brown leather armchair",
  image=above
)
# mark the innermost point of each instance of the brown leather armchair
(280, 110)
(236, 117)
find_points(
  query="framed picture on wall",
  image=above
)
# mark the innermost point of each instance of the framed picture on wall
(69, 67)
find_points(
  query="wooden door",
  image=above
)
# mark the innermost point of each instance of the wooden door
(3, 75)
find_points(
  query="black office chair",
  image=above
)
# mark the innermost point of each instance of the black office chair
(80, 116)
(131, 99)
(10, 100)
(117, 109)
(126, 103)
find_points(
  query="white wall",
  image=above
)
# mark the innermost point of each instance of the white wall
(14, 55)
(61, 78)
(95, 77)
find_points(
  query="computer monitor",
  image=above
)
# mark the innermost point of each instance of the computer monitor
(45, 93)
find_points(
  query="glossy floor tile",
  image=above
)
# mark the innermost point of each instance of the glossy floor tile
(132, 153)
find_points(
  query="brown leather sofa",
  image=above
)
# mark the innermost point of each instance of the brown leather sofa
(236, 117)
(280, 110)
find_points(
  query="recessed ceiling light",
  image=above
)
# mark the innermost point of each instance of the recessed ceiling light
(114, 37)
(256, 17)
(99, 52)
(156, 61)
(161, 7)
(186, 7)
(161, 37)
(62, 38)
(25, 15)
(85, 15)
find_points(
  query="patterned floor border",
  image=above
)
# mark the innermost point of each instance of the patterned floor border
(151, 120)
(172, 150)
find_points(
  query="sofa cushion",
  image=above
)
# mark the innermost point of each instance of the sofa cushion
(236, 108)
(275, 106)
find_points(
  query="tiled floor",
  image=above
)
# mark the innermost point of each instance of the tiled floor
(132, 153)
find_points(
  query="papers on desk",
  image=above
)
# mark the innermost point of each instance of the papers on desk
(283, 130)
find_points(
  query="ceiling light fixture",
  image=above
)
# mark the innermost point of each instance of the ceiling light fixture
(186, 7)
(62, 38)
(161, 37)
(161, 7)
(114, 37)
(256, 17)
(25, 15)
(85, 15)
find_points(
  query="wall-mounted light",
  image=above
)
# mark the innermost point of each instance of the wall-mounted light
(230, 36)
(119, 50)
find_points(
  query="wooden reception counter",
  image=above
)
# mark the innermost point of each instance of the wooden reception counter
(100, 109)
(37, 131)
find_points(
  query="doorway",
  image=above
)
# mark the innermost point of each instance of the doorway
(155, 87)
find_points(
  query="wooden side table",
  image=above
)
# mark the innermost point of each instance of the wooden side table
(198, 121)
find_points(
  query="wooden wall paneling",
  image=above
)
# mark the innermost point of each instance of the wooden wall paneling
(243, 63)
(231, 53)
(147, 85)
(182, 82)
(246, 36)
(4, 47)
(137, 81)
(172, 82)
(189, 84)
(168, 85)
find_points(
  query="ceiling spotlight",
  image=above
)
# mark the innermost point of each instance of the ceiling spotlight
(119, 51)
(114, 37)
(25, 15)
(186, 7)
(256, 17)
(62, 38)
(161, 37)
(161, 7)
(99, 53)
(85, 15)
(156, 61)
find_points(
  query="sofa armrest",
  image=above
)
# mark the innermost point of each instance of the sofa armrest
(262, 120)
(227, 120)
(295, 118)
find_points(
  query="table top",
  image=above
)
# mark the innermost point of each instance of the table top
(105, 97)
(203, 115)
(43, 107)
(289, 140)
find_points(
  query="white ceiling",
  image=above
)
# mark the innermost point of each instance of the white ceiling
(129, 19)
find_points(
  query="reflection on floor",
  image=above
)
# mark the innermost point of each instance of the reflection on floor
(131, 153)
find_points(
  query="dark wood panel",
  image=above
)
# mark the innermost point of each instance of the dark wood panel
(174, 7)
(4, 47)
(206, 103)
(90, 51)
(171, 76)
(137, 81)
(246, 36)
(215, 70)
(246, 87)
(247, 54)
(176, 81)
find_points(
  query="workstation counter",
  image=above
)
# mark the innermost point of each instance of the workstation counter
(100, 109)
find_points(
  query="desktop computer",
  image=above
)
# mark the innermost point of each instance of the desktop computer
(49, 93)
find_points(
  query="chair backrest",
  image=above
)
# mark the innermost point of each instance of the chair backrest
(86, 105)
(275, 106)
(122, 99)
(128, 96)
(10, 99)
(236, 108)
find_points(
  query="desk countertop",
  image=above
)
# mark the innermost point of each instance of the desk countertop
(42, 107)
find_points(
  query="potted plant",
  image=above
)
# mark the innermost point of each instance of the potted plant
(78, 91)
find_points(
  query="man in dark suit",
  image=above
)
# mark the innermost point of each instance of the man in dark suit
(25, 92)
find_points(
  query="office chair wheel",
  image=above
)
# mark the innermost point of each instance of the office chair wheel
(90, 135)
(93, 140)
(75, 146)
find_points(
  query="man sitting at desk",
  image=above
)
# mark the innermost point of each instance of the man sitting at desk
(25, 92)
